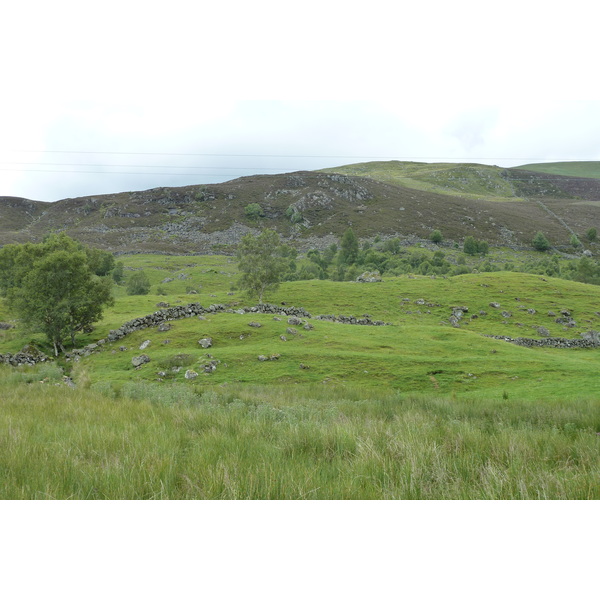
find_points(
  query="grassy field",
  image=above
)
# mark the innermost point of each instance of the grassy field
(248, 442)
(414, 409)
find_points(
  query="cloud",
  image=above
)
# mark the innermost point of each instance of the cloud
(295, 87)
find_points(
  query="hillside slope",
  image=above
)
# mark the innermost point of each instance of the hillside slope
(314, 208)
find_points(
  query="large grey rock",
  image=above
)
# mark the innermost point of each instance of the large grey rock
(138, 361)
(369, 277)
(205, 342)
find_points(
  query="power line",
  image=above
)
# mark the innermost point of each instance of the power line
(154, 173)
(469, 158)
(139, 166)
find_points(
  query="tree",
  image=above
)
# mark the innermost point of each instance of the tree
(138, 284)
(591, 234)
(473, 246)
(261, 263)
(349, 247)
(253, 211)
(540, 242)
(470, 246)
(53, 289)
(436, 236)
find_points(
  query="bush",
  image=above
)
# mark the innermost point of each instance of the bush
(138, 284)
(591, 234)
(254, 211)
(436, 236)
(540, 242)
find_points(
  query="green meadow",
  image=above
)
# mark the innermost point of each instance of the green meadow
(415, 409)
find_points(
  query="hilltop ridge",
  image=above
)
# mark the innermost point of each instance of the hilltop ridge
(313, 208)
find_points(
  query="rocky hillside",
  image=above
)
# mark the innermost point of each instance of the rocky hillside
(312, 209)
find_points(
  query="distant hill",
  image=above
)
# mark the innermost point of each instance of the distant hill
(589, 169)
(313, 208)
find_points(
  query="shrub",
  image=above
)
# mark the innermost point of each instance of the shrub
(138, 284)
(254, 211)
(540, 242)
(591, 234)
(436, 236)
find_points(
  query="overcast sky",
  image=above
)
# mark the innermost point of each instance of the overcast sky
(121, 96)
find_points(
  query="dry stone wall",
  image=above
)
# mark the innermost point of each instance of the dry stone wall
(549, 342)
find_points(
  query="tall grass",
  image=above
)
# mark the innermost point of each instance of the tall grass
(143, 441)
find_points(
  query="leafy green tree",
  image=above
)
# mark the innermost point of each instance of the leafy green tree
(436, 236)
(260, 262)
(540, 242)
(575, 241)
(349, 247)
(138, 284)
(392, 246)
(118, 273)
(100, 262)
(470, 246)
(254, 211)
(53, 289)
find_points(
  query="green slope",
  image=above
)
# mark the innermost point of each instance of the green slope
(469, 180)
(589, 169)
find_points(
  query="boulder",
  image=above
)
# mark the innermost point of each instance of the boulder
(205, 342)
(138, 361)
(369, 277)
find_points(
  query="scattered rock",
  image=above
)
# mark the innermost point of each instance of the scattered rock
(144, 345)
(189, 374)
(68, 381)
(283, 338)
(138, 361)
(254, 324)
(205, 342)
(165, 327)
(494, 305)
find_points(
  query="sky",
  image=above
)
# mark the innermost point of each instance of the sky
(121, 96)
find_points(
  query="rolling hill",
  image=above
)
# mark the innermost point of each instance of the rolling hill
(506, 207)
